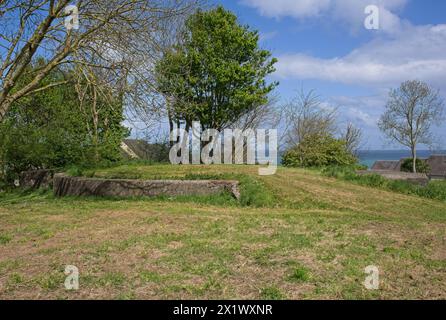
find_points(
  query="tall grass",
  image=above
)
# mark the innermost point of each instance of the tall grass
(434, 190)
(253, 192)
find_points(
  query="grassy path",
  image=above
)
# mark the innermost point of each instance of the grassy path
(313, 241)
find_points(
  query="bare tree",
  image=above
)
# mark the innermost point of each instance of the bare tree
(265, 115)
(121, 36)
(410, 113)
(353, 138)
(307, 115)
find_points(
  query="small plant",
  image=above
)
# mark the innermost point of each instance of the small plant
(300, 274)
(75, 171)
(112, 279)
(272, 293)
(16, 278)
(52, 281)
(149, 276)
(4, 239)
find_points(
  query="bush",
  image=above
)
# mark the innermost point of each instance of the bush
(434, 190)
(421, 165)
(49, 129)
(319, 151)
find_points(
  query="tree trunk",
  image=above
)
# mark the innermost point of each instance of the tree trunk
(414, 160)
(4, 107)
(95, 115)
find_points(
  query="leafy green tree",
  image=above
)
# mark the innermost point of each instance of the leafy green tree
(217, 72)
(48, 130)
(318, 150)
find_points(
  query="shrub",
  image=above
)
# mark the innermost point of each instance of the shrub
(319, 151)
(50, 129)
(421, 165)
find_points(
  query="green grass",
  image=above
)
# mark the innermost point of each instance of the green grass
(252, 190)
(272, 293)
(4, 239)
(299, 274)
(297, 235)
(434, 190)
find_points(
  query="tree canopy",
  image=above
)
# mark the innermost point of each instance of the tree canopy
(216, 73)
(52, 129)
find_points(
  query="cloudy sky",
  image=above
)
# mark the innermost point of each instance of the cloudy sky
(323, 45)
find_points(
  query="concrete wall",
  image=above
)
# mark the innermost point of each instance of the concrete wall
(36, 179)
(75, 186)
(416, 178)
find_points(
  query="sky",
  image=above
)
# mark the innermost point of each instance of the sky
(324, 45)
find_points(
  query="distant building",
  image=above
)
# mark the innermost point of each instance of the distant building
(387, 165)
(437, 165)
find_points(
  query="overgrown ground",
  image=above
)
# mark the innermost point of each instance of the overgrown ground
(296, 235)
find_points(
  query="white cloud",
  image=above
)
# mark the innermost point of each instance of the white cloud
(399, 51)
(293, 8)
(416, 52)
(350, 12)
(361, 116)
(264, 36)
(363, 111)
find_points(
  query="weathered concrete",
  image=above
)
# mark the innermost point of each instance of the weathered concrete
(36, 179)
(76, 186)
(437, 165)
(415, 178)
(384, 165)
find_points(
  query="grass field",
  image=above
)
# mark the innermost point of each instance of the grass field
(294, 235)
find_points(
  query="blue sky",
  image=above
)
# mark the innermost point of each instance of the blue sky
(323, 45)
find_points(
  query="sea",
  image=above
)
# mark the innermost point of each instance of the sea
(368, 157)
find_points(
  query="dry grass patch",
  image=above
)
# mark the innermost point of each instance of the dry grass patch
(313, 241)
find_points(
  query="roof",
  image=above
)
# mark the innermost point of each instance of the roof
(386, 165)
(437, 164)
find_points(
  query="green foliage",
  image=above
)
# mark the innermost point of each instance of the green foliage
(4, 239)
(75, 171)
(421, 165)
(272, 293)
(252, 191)
(434, 190)
(319, 151)
(300, 274)
(49, 129)
(218, 72)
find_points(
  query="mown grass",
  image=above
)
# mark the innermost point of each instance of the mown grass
(311, 238)
(434, 190)
(252, 190)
